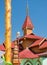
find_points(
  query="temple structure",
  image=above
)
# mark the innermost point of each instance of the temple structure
(29, 49)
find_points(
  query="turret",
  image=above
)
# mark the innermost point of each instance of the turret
(27, 26)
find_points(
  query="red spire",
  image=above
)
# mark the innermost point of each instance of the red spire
(28, 23)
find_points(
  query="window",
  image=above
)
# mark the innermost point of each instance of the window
(28, 63)
(38, 63)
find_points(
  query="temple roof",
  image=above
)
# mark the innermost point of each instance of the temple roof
(31, 36)
(27, 54)
(28, 23)
(36, 43)
(44, 45)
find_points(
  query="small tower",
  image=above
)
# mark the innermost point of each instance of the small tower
(27, 26)
(16, 60)
(16, 54)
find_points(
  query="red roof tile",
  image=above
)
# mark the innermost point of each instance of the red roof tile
(2, 48)
(33, 37)
(30, 37)
(27, 54)
(36, 43)
(44, 45)
(27, 23)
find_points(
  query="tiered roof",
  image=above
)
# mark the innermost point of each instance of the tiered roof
(26, 53)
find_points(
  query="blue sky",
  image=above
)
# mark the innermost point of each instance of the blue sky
(37, 13)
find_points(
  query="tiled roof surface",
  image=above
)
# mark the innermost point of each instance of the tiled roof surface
(33, 37)
(36, 43)
(44, 45)
(27, 54)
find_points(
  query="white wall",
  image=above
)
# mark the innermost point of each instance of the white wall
(44, 62)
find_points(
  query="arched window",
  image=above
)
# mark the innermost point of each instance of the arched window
(38, 63)
(28, 63)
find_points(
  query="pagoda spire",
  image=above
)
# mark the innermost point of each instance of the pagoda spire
(27, 26)
(27, 8)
